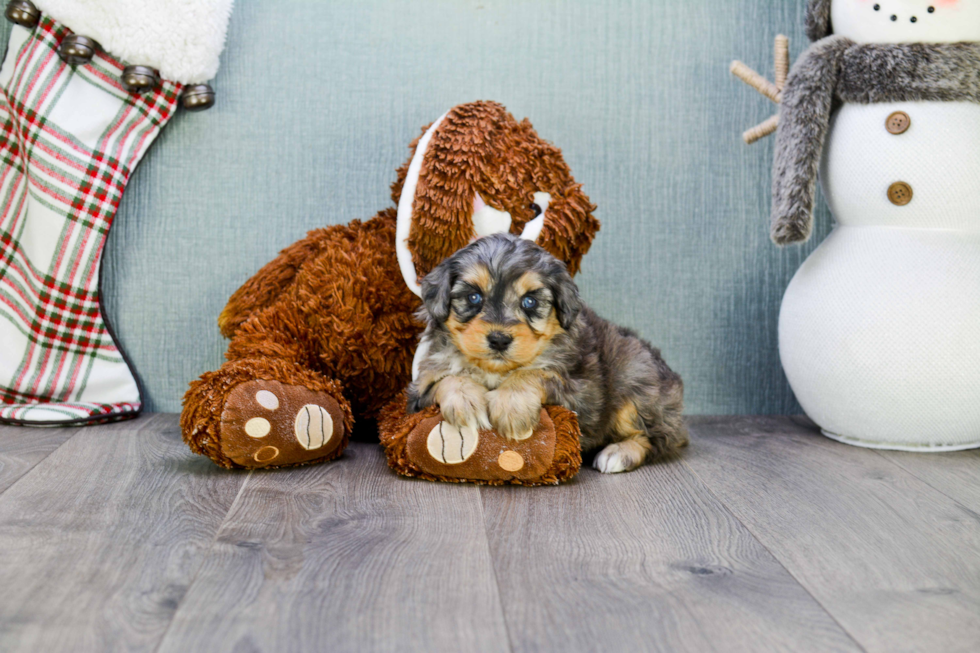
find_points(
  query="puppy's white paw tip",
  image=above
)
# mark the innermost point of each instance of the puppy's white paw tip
(615, 459)
(525, 436)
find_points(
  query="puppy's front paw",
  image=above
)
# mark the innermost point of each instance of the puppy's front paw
(514, 413)
(463, 404)
(620, 457)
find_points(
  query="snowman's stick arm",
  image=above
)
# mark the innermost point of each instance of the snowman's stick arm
(761, 130)
(782, 61)
(771, 90)
(756, 81)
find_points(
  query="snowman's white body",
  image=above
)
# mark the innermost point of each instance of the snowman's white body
(880, 328)
(879, 331)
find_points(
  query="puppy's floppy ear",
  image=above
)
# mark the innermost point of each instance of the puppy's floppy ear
(566, 298)
(437, 288)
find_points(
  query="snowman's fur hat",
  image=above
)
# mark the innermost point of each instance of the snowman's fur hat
(837, 70)
(818, 19)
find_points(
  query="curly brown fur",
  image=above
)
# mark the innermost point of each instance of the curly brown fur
(334, 305)
(506, 165)
(506, 315)
(834, 70)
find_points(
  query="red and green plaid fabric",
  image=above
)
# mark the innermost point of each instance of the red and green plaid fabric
(69, 138)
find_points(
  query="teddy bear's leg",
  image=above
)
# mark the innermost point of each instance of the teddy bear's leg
(268, 284)
(266, 412)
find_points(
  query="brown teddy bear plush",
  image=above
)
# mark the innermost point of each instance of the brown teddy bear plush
(325, 333)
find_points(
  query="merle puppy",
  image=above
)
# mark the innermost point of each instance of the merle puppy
(506, 332)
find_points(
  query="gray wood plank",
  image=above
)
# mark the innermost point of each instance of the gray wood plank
(895, 561)
(345, 557)
(645, 561)
(21, 448)
(956, 474)
(99, 542)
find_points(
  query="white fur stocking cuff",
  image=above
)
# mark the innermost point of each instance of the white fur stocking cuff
(181, 38)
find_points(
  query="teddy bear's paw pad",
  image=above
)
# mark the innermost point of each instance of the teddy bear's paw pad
(450, 445)
(271, 424)
(442, 450)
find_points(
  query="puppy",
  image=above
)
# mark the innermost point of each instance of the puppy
(506, 333)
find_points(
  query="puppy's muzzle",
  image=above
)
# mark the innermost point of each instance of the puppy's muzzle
(499, 341)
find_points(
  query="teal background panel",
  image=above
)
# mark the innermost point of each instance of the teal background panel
(318, 101)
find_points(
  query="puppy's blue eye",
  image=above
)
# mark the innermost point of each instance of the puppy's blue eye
(475, 299)
(529, 303)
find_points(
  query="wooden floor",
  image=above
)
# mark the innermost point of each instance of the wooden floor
(764, 537)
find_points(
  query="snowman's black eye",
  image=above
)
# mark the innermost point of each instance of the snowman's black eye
(932, 10)
(914, 19)
(894, 18)
(877, 7)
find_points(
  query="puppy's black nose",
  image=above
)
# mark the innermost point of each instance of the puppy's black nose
(499, 341)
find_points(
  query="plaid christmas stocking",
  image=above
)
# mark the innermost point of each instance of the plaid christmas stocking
(71, 134)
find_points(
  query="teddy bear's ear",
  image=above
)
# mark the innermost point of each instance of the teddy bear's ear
(569, 227)
(436, 191)
(818, 19)
(404, 191)
(478, 154)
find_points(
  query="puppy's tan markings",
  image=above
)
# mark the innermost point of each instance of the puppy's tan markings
(552, 327)
(479, 276)
(529, 343)
(462, 402)
(632, 446)
(515, 407)
(528, 282)
(546, 326)
(470, 338)
(626, 422)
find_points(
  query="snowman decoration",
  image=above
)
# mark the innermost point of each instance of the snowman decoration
(879, 331)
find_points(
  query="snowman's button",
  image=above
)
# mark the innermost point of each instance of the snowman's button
(899, 193)
(898, 123)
